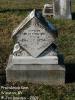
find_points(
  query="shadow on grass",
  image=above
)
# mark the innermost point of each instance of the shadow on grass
(2, 79)
(70, 73)
(73, 16)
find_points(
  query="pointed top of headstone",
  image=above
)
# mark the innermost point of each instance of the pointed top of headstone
(35, 13)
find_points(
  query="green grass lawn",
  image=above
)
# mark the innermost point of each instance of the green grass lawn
(22, 4)
(44, 92)
(26, 4)
(66, 45)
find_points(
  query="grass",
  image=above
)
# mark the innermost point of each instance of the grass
(44, 92)
(8, 21)
(25, 4)
(65, 40)
(22, 4)
(66, 37)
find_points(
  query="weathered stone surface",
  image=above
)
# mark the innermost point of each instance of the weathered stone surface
(56, 8)
(48, 10)
(36, 73)
(62, 9)
(32, 60)
(35, 39)
(19, 51)
(35, 34)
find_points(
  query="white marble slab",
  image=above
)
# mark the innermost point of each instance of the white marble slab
(32, 60)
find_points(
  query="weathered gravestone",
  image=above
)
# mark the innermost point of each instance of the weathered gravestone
(62, 9)
(48, 10)
(35, 57)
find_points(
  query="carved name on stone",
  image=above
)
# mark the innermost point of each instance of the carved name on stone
(35, 40)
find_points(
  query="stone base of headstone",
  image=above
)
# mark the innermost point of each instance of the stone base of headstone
(50, 74)
(32, 60)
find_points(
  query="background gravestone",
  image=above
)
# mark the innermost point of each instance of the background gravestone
(35, 58)
(62, 9)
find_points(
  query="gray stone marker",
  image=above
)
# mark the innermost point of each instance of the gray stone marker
(62, 9)
(35, 57)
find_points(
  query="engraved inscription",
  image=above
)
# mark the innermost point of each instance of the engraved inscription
(35, 40)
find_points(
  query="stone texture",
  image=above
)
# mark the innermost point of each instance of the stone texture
(36, 73)
(35, 39)
(32, 60)
(48, 10)
(18, 51)
(62, 9)
(35, 34)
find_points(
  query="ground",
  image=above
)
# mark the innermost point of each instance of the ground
(10, 18)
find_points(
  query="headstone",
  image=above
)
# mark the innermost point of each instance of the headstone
(48, 10)
(62, 9)
(35, 58)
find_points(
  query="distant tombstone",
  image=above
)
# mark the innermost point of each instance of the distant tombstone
(62, 9)
(35, 57)
(48, 10)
